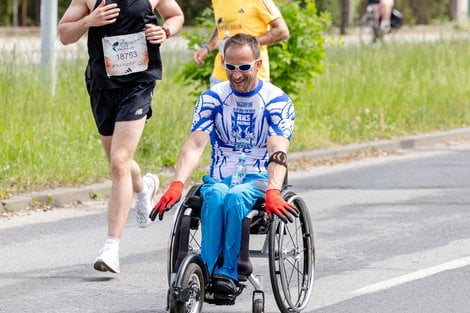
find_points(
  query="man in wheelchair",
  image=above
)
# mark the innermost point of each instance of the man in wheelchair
(241, 115)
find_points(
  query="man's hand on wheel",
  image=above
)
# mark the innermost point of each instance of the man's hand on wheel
(275, 204)
(169, 198)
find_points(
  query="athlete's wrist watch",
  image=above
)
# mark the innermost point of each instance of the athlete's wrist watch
(167, 31)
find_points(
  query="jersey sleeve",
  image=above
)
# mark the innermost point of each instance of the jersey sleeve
(203, 118)
(268, 11)
(281, 117)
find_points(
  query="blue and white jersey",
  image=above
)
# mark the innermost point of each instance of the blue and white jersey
(242, 122)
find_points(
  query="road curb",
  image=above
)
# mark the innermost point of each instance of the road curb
(402, 143)
(66, 196)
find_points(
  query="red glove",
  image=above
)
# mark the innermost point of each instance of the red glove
(275, 204)
(169, 198)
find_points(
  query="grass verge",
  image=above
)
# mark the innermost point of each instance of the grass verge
(364, 94)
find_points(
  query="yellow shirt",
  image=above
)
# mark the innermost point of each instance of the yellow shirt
(244, 16)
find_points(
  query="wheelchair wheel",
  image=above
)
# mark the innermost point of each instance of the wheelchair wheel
(193, 280)
(292, 258)
(258, 306)
(258, 302)
(185, 237)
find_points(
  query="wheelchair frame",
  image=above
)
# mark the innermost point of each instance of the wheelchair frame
(189, 279)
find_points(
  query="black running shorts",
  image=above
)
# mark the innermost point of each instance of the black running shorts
(129, 103)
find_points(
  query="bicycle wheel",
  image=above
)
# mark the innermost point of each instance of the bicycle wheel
(292, 258)
(367, 30)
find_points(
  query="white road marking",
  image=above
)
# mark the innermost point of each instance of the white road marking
(412, 276)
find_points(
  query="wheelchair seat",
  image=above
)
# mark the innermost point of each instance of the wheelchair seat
(255, 224)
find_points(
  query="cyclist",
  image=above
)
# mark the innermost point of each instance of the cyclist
(243, 114)
(382, 14)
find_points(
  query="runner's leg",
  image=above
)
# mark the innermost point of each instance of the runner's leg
(123, 145)
(137, 181)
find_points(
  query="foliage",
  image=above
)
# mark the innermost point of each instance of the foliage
(192, 9)
(293, 63)
(199, 76)
(421, 11)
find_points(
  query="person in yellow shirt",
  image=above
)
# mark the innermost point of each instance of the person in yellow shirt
(258, 18)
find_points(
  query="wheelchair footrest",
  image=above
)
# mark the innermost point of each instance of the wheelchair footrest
(222, 299)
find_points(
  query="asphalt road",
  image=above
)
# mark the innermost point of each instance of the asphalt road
(392, 235)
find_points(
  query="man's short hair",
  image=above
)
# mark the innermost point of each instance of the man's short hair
(240, 40)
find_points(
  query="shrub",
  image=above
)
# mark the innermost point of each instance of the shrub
(293, 63)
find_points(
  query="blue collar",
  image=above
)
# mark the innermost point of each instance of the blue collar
(249, 93)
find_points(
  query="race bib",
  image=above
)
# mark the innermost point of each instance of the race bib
(125, 54)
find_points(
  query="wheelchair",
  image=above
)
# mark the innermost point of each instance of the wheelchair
(289, 248)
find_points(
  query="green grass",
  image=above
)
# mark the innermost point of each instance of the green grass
(364, 94)
(384, 92)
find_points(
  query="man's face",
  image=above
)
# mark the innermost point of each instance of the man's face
(241, 81)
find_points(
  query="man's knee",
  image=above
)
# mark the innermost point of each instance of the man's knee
(233, 197)
(214, 193)
(120, 163)
(237, 203)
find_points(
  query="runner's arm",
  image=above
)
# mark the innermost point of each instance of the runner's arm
(78, 19)
(172, 15)
(279, 31)
(201, 53)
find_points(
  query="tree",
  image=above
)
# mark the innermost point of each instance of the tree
(345, 12)
(24, 12)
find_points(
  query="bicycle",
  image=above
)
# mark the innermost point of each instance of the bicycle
(369, 30)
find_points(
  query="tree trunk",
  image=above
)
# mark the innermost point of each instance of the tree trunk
(24, 12)
(37, 12)
(345, 6)
(421, 11)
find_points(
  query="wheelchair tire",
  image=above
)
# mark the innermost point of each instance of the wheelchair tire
(292, 258)
(258, 306)
(193, 278)
(193, 239)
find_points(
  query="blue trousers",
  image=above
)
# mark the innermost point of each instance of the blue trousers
(223, 210)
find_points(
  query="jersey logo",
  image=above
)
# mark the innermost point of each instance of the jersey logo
(241, 11)
(244, 104)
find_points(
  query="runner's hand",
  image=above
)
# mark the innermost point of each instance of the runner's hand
(103, 14)
(199, 56)
(275, 204)
(155, 34)
(169, 198)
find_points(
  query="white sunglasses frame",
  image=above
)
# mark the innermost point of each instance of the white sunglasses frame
(237, 67)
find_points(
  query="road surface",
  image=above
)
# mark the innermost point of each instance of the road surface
(392, 235)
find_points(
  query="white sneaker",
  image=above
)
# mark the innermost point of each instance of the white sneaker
(145, 204)
(107, 260)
